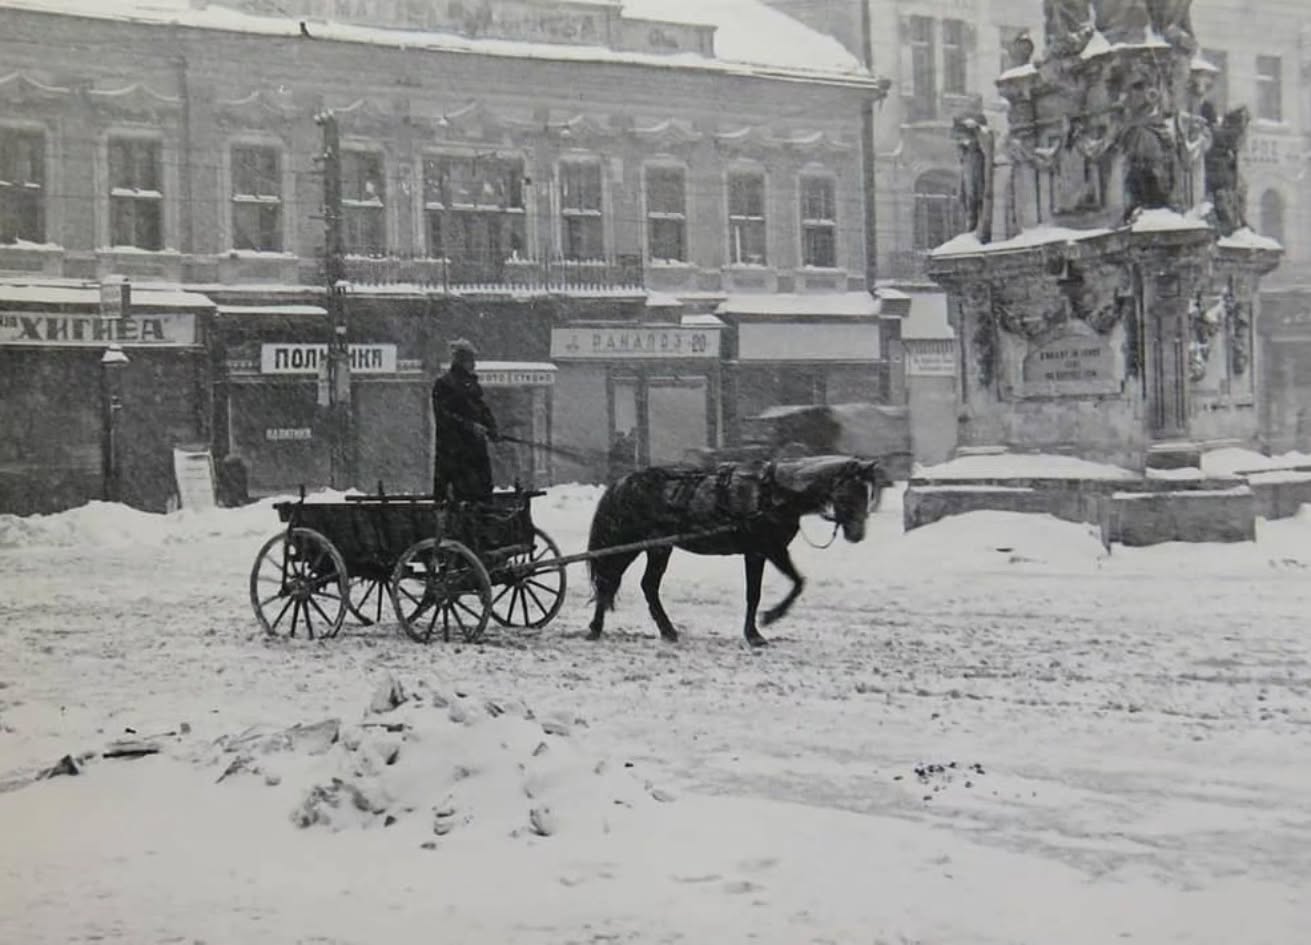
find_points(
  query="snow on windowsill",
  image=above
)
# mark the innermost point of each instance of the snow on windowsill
(30, 247)
(137, 251)
(259, 254)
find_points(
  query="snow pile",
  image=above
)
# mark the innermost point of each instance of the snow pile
(439, 761)
(987, 539)
(111, 524)
(1023, 466)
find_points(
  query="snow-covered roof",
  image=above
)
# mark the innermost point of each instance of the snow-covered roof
(73, 293)
(822, 304)
(267, 310)
(750, 37)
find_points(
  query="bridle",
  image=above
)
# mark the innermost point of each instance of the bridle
(874, 496)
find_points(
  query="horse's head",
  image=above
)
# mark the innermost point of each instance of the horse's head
(857, 491)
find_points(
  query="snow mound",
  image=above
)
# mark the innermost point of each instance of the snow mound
(1023, 466)
(1233, 460)
(111, 524)
(434, 762)
(988, 539)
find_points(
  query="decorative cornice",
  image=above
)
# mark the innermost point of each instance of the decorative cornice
(363, 114)
(672, 132)
(133, 101)
(755, 138)
(20, 89)
(259, 109)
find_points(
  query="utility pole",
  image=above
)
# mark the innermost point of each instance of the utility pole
(340, 414)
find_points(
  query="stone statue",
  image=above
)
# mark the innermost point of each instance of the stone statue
(1173, 22)
(1225, 186)
(1149, 174)
(1121, 21)
(1068, 26)
(1019, 51)
(974, 140)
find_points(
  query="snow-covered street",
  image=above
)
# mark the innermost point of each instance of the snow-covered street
(986, 730)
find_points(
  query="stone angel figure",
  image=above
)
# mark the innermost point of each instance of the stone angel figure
(1068, 25)
(1173, 22)
(1225, 186)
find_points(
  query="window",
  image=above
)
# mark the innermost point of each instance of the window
(1269, 88)
(954, 58)
(937, 210)
(1219, 94)
(136, 198)
(666, 214)
(924, 87)
(475, 212)
(582, 225)
(363, 199)
(22, 186)
(746, 218)
(257, 199)
(1272, 215)
(819, 223)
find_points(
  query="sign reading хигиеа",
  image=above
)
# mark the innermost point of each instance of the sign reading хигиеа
(305, 358)
(1071, 365)
(170, 329)
(644, 342)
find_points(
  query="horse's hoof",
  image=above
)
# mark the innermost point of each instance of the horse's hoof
(769, 617)
(756, 640)
(670, 636)
(593, 635)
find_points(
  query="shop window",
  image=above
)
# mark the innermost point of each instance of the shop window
(22, 186)
(136, 195)
(475, 212)
(666, 213)
(1219, 94)
(937, 210)
(746, 218)
(582, 224)
(819, 223)
(1270, 88)
(257, 199)
(1272, 215)
(363, 201)
(923, 103)
(954, 58)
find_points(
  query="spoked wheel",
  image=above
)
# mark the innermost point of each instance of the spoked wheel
(441, 587)
(531, 593)
(366, 599)
(299, 583)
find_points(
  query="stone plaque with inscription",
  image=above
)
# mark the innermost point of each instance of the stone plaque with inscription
(1071, 364)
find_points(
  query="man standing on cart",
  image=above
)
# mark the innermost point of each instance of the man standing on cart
(463, 424)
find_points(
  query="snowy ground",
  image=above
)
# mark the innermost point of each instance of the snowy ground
(984, 731)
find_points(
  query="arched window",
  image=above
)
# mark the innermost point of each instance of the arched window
(937, 209)
(1272, 215)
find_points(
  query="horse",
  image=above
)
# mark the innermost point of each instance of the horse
(752, 509)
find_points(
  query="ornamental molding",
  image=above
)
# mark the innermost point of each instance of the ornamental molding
(259, 109)
(18, 88)
(132, 101)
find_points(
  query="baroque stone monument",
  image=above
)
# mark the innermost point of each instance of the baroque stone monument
(1104, 291)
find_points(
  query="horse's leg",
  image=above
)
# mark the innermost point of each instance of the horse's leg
(783, 561)
(607, 573)
(755, 571)
(657, 560)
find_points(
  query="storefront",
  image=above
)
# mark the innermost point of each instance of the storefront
(1285, 389)
(275, 390)
(797, 349)
(519, 396)
(656, 384)
(79, 425)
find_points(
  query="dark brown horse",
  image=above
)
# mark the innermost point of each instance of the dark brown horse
(748, 509)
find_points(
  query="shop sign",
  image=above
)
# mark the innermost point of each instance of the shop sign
(170, 329)
(306, 358)
(935, 362)
(643, 342)
(193, 470)
(1071, 364)
(515, 378)
(282, 434)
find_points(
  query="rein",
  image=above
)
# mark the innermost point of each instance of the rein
(831, 538)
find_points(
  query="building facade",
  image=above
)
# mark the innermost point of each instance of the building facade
(532, 175)
(945, 57)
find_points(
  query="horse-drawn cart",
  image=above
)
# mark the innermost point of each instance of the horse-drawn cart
(444, 568)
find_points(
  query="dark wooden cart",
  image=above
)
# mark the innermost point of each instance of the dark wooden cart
(445, 568)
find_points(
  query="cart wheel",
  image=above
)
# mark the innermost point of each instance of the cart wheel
(298, 579)
(532, 591)
(366, 599)
(441, 585)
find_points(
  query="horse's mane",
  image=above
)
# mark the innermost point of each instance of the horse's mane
(810, 472)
